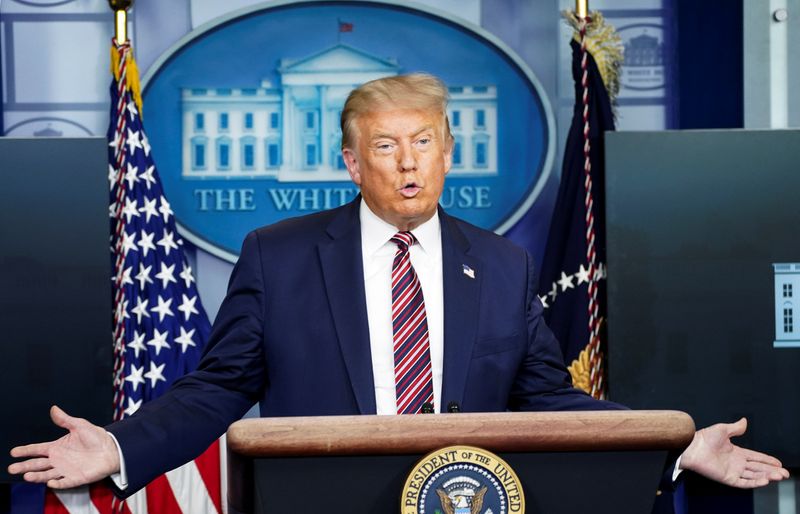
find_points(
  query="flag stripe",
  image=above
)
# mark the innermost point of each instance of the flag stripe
(160, 497)
(72, 501)
(190, 490)
(137, 502)
(208, 465)
(53, 504)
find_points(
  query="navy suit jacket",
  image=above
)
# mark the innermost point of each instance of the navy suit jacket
(292, 334)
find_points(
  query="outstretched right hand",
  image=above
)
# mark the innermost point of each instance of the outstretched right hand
(85, 455)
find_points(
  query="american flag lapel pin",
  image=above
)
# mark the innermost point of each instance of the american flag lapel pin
(468, 271)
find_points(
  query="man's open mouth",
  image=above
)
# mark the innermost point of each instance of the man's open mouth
(409, 190)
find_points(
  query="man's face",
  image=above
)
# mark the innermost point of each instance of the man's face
(399, 161)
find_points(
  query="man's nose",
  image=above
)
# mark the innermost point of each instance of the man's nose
(407, 159)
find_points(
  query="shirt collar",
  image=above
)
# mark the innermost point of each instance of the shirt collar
(375, 232)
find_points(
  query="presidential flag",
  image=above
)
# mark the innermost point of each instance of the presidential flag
(160, 327)
(572, 280)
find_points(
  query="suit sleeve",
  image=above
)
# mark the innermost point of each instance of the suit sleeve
(543, 382)
(176, 427)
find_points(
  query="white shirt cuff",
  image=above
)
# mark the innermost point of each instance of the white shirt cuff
(675, 472)
(120, 479)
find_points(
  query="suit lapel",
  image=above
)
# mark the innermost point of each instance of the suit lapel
(462, 283)
(344, 282)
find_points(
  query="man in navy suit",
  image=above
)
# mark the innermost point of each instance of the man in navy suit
(307, 326)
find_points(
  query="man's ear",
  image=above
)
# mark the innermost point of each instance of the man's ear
(448, 154)
(351, 161)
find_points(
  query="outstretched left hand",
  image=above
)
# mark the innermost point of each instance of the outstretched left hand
(713, 455)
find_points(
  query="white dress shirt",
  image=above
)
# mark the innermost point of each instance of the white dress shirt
(378, 255)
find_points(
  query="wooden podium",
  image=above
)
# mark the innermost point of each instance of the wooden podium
(571, 462)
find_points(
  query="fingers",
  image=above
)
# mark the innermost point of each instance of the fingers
(750, 480)
(758, 474)
(754, 465)
(40, 464)
(52, 477)
(31, 450)
(61, 419)
(749, 474)
(40, 477)
(766, 470)
(63, 483)
(745, 483)
(754, 456)
(779, 474)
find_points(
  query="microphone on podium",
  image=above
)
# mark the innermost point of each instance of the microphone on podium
(427, 408)
(453, 407)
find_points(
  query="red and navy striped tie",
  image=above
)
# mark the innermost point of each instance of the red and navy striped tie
(412, 357)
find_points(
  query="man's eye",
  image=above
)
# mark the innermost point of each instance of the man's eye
(384, 146)
(425, 140)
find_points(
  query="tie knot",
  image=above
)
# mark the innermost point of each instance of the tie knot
(403, 240)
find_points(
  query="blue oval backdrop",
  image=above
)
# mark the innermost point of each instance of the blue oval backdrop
(242, 115)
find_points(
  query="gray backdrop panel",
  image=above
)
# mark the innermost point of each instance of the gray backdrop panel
(55, 294)
(695, 221)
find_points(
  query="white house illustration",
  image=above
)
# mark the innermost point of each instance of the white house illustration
(291, 132)
(787, 283)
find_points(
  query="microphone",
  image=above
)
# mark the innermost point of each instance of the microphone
(427, 408)
(453, 407)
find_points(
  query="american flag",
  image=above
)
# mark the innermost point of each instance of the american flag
(345, 26)
(160, 326)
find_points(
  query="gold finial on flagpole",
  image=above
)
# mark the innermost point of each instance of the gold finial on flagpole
(581, 8)
(120, 8)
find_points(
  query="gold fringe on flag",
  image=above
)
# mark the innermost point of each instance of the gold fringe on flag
(579, 370)
(605, 45)
(131, 75)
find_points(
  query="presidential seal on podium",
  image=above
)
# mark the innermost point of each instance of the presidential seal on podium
(462, 480)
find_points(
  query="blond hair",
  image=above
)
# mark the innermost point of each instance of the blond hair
(413, 91)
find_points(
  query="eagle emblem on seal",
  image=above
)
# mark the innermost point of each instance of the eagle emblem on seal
(462, 496)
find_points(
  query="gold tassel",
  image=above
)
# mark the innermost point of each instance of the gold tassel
(605, 45)
(114, 62)
(133, 82)
(131, 76)
(579, 370)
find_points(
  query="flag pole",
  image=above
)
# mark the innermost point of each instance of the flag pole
(120, 8)
(582, 8)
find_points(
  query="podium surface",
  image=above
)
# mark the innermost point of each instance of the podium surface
(606, 461)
